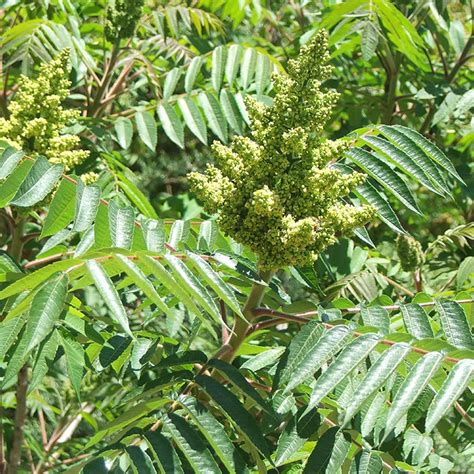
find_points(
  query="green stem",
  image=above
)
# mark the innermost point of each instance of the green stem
(241, 325)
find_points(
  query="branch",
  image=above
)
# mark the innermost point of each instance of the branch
(20, 417)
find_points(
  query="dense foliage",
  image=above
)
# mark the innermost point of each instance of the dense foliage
(297, 297)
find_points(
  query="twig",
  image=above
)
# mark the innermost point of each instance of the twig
(225, 331)
(464, 414)
(398, 286)
(44, 436)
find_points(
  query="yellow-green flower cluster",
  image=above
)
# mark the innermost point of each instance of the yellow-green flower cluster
(122, 17)
(276, 191)
(409, 252)
(37, 116)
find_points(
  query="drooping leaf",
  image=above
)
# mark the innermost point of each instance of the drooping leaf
(141, 462)
(242, 419)
(247, 68)
(124, 131)
(215, 434)
(141, 281)
(199, 292)
(417, 379)
(193, 118)
(308, 351)
(61, 209)
(382, 173)
(121, 225)
(450, 391)
(45, 355)
(166, 279)
(454, 323)
(234, 55)
(146, 127)
(319, 458)
(430, 149)
(214, 115)
(179, 233)
(231, 111)
(164, 453)
(370, 39)
(234, 375)
(154, 235)
(9, 331)
(171, 124)
(207, 237)
(219, 56)
(10, 186)
(262, 73)
(410, 165)
(192, 72)
(191, 444)
(75, 360)
(366, 462)
(416, 321)
(376, 376)
(418, 156)
(213, 279)
(39, 182)
(340, 452)
(171, 81)
(109, 294)
(376, 316)
(87, 205)
(11, 157)
(46, 307)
